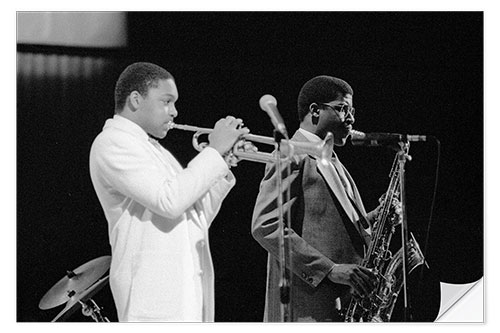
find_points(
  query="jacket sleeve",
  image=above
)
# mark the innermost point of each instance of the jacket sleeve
(211, 202)
(127, 166)
(307, 262)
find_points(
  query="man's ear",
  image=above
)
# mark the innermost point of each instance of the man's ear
(134, 100)
(314, 110)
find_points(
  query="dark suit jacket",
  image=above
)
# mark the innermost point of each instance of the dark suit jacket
(322, 235)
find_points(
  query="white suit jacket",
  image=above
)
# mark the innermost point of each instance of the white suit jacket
(158, 218)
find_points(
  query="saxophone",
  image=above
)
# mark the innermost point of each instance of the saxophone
(378, 306)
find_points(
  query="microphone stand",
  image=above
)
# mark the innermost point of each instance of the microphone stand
(284, 242)
(402, 158)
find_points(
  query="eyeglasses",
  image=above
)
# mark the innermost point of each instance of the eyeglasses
(342, 108)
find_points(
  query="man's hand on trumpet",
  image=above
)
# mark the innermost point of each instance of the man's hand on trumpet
(225, 135)
(241, 146)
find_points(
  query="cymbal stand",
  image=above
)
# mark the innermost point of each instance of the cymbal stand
(91, 309)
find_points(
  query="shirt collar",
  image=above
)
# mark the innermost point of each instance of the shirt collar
(314, 138)
(126, 125)
(310, 136)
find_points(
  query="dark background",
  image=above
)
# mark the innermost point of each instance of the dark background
(412, 72)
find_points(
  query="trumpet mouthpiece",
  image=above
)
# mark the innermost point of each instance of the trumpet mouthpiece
(357, 135)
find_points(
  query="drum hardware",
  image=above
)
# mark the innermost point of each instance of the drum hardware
(88, 305)
(77, 288)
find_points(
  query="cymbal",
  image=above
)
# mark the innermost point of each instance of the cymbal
(75, 282)
(74, 302)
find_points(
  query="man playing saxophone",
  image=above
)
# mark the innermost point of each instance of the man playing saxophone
(158, 212)
(330, 227)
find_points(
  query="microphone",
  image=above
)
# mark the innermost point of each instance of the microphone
(382, 139)
(269, 104)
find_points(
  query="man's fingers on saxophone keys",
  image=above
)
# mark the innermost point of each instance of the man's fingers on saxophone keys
(359, 278)
(366, 279)
(361, 287)
(356, 280)
(368, 275)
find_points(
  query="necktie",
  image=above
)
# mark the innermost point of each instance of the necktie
(349, 191)
(343, 178)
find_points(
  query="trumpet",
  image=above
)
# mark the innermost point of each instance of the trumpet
(288, 148)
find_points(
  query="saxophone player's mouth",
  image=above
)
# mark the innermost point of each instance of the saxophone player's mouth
(346, 130)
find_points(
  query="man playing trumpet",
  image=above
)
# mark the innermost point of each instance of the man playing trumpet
(158, 212)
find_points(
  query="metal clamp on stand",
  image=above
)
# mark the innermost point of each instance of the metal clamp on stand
(91, 309)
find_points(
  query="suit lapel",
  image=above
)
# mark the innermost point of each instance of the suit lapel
(332, 179)
(327, 170)
(357, 197)
(363, 224)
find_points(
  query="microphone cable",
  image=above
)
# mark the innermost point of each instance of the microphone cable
(433, 202)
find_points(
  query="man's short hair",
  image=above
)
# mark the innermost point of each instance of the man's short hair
(140, 77)
(321, 89)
